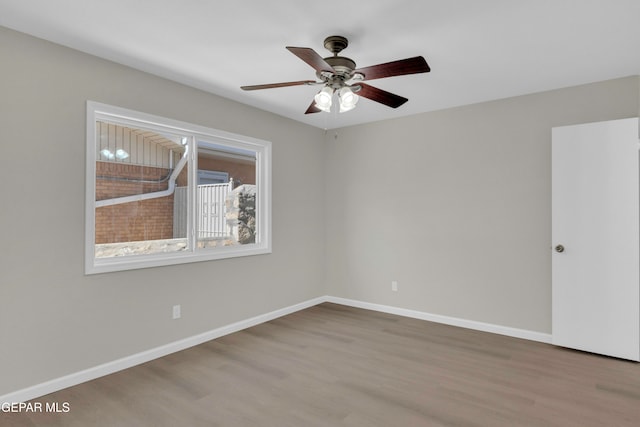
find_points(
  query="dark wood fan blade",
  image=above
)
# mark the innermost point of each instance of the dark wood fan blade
(310, 56)
(395, 68)
(382, 96)
(312, 108)
(274, 85)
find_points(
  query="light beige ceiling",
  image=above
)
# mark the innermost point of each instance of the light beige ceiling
(478, 50)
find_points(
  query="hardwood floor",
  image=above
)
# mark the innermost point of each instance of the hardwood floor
(331, 365)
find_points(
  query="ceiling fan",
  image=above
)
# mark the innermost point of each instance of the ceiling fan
(339, 74)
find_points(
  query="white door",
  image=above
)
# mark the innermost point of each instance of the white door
(596, 238)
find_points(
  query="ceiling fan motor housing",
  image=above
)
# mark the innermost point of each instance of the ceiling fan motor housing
(343, 67)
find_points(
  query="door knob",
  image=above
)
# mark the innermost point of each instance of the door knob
(559, 248)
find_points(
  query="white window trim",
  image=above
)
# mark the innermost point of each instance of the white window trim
(97, 111)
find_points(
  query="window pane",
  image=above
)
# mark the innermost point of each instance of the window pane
(226, 196)
(164, 192)
(141, 191)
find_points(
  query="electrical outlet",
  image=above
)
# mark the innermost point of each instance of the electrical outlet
(394, 286)
(176, 311)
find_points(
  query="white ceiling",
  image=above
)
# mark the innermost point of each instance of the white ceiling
(478, 50)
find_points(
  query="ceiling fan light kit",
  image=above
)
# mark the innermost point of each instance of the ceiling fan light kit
(338, 74)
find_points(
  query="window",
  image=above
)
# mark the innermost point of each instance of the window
(212, 177)
(161, 192)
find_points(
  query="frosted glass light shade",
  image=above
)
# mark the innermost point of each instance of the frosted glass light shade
(323, 99)
(348, 99)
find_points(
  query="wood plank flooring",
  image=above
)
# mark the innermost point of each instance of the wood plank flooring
(331, 365)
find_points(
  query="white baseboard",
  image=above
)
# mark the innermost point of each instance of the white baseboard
(146, 356)
(454, 321)
(154, 353)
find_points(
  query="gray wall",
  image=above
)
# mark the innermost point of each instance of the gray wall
(455, 205)
(53, 319)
